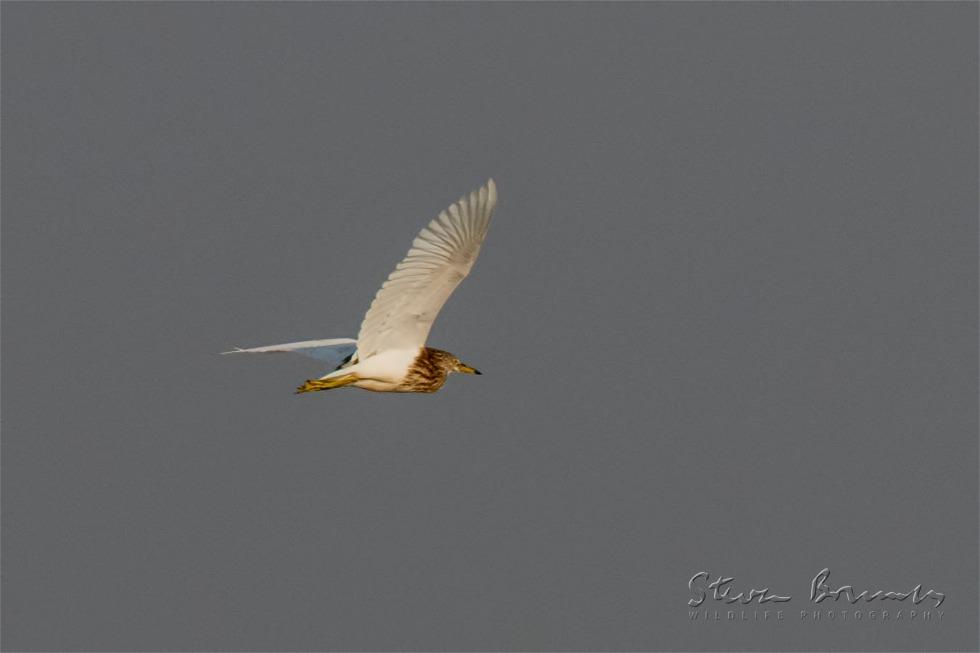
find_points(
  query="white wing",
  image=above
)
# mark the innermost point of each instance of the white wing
(334, 351)
(441, 256)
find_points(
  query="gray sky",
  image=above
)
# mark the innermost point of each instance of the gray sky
(726, 316)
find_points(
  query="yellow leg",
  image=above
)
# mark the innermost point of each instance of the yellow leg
(315, 385)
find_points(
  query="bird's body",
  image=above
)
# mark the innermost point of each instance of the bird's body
(394, 371)
(389, 354)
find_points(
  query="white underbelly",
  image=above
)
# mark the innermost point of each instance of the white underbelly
(388, 367)
(376, 386)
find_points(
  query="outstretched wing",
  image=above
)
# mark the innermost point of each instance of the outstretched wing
(334, 352)
(440, 258)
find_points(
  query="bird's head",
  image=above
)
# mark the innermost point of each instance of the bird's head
(446, 362)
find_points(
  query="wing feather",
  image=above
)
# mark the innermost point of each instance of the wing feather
(441, 256)
(334, 351)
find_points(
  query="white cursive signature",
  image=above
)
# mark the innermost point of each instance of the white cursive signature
(819, 590)
(722, 591)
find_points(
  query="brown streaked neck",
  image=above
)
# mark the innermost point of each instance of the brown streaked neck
(429, 371)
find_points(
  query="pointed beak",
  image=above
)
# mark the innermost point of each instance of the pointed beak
(466, 369)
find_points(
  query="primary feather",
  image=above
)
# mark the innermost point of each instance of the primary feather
(441, 256)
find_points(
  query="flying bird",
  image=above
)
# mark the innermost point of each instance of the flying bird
(389, 354)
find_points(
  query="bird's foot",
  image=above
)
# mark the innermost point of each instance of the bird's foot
(315, 385)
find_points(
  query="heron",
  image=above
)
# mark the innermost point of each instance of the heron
(389, 353)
